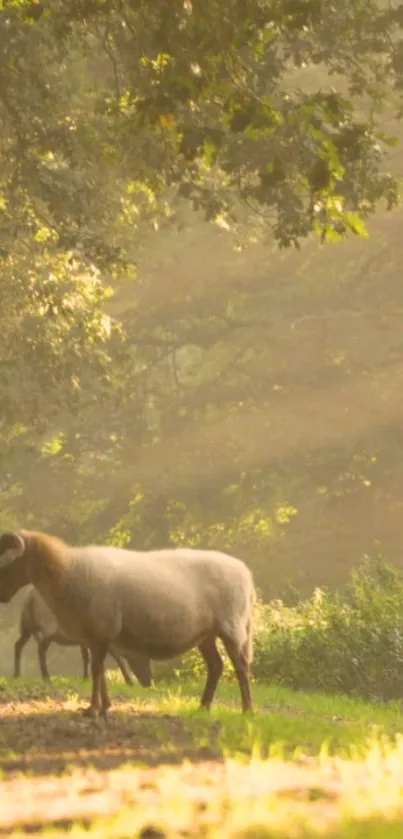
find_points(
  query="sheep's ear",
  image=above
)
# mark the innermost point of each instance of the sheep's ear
(12, 546)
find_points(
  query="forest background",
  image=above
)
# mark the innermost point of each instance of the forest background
(200, 344)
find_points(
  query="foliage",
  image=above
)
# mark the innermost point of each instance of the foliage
(125, 104)
(349, 642)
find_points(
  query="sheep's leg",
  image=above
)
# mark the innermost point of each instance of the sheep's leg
(240, 662)
(43, 646)
(105, 701)
(98, 655)
(214, 664)
(123, 668)
(18, 648)
(86, 660)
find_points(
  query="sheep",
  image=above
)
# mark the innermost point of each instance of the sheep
(37, 620)
(157, 603)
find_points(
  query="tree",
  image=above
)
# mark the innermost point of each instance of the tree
(111, 105)
(120, 116)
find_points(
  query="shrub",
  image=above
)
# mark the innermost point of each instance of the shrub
(350, 642)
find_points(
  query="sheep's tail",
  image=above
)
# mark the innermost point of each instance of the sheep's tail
(249, 626)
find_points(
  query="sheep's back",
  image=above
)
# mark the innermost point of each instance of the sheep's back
(169, 573)
(183, 592)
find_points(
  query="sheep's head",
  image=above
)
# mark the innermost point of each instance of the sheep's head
(13, 565)
(141, 667)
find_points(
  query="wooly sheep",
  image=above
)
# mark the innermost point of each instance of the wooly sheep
(38, 621)
(157, 603)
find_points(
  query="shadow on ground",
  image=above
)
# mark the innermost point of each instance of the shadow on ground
(50, 741)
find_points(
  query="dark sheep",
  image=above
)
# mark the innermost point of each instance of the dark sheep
(36, 620)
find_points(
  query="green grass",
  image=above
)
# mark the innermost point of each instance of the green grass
(304, 764)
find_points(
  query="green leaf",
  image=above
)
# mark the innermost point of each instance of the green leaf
(356, 225)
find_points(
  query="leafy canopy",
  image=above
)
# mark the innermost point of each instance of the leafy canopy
(110, 105)
(120, 115)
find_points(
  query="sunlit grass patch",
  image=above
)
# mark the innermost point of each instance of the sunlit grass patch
(296, 721)
(232, 800)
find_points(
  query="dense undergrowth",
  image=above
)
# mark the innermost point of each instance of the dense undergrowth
(347, 641)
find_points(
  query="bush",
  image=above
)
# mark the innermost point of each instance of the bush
(334, 642)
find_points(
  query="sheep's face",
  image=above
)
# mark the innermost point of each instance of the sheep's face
(13, 565)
